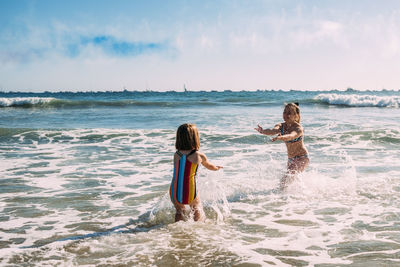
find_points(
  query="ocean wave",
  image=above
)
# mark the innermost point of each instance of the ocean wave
(354, 100)
(25, 101)
(49, 102)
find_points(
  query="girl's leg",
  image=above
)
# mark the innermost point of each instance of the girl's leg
(180, 212)
(295, 166)
(197, 207)
(298, 165)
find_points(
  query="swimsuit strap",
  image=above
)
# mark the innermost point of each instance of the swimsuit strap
(191, 152)
(180, 154)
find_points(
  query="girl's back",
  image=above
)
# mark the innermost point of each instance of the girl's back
(183, 185)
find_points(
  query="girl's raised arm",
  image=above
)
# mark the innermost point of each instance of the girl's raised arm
(272, 131)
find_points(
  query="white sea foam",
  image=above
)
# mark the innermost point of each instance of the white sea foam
(354, 100)
(20, 101)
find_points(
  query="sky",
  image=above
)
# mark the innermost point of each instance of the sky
(98, 45)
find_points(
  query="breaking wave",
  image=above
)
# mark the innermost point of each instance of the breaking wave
(354, 100)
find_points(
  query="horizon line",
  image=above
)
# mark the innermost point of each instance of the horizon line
(348, 89)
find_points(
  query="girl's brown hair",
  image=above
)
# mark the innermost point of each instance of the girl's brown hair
(294, 107)
(187, 137)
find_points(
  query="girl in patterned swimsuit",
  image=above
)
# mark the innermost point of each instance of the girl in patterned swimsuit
(291, 132)
(186, 162)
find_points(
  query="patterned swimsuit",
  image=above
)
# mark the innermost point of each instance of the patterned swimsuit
(183, 185)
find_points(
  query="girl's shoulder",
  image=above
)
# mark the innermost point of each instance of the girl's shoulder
(196, 157)
(297, 127)
(193, 155)
(197, 154)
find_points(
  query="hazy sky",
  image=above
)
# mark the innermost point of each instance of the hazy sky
(206, 45)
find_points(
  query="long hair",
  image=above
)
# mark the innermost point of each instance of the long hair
(187, 137)
(294, 107)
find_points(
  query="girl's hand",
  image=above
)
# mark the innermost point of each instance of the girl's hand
(278, 137)
(259, 128)
(219, 167)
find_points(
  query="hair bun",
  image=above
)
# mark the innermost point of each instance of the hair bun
(296, 103)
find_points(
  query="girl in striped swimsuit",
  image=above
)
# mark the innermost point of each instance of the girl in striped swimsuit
(290, 132)
(186, 162)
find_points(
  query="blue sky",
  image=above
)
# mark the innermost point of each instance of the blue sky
(206, 45)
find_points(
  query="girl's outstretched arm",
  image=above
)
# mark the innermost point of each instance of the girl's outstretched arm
(290, 136)
(208, 164)
(272, 131)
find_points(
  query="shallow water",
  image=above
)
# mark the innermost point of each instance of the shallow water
(88, 185)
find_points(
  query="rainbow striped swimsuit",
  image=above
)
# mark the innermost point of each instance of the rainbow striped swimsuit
(183, 185)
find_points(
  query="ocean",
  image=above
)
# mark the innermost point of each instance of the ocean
(84, 180)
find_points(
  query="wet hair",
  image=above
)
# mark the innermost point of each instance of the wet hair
(294, 107)
(187, 137)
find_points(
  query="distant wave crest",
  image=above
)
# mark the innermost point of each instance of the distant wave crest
(354, 100)
(25, 101)
(49, 102)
